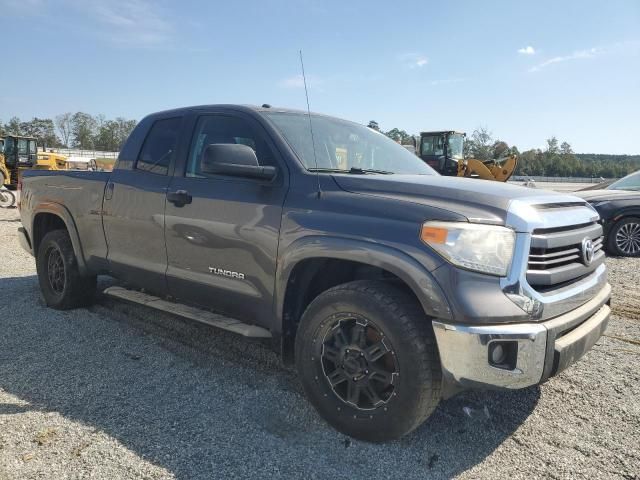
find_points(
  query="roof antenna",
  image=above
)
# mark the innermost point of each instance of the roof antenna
(313, 143)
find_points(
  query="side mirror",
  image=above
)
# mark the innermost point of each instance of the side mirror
(234, 160)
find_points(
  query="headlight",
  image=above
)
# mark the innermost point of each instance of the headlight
(483, 248)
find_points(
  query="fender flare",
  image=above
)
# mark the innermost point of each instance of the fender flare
(417, 277)
(63, 213)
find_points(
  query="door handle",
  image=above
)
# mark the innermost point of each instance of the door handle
(179, 198)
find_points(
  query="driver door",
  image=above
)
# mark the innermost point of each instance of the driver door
(222, 243)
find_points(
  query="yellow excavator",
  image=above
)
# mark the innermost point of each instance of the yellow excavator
(444, 151)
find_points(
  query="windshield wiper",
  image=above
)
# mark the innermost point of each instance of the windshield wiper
(352, 170)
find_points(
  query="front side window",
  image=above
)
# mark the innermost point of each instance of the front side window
(159, 147)
(339, 145)
(224, 129)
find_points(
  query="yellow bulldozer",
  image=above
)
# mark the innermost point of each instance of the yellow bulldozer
(444, 151)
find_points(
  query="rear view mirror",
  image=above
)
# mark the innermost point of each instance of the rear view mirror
(234, 160)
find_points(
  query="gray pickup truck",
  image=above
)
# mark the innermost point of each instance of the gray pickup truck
(389, 286)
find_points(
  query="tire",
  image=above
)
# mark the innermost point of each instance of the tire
(369, 336)
(60, 281)
(624, 238)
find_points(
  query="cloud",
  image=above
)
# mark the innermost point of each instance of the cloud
(296, 81)
(626, 48)
(528, 50)
(577, 55)
(413, 60)
(137, 23)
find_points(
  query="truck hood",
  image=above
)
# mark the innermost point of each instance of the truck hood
(480, 201)
(603, 195)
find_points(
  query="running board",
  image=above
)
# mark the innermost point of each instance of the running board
(186, 311)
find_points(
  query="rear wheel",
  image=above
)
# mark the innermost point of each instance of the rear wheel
(624, 237)
(62, 285)
(367, 359)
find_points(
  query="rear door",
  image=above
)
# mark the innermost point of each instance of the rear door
(222, 246)
(134, 206)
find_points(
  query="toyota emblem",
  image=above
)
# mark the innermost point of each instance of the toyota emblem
(587, 251)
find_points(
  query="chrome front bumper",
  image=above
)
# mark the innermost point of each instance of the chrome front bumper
(541, 349)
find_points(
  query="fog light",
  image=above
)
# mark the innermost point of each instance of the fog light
(497, 353)
(503, 354)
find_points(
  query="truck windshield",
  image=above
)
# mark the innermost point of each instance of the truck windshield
(345, 146)
(456, 146)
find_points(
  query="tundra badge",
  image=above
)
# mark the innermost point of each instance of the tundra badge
(226, 273)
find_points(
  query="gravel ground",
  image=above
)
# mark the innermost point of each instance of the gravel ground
(117, 391)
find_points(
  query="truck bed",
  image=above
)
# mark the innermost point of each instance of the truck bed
(79, 193)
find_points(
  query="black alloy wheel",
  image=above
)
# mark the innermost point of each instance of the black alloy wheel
(359, 363)
(55, 270)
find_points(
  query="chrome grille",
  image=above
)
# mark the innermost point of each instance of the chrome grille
(556, 258)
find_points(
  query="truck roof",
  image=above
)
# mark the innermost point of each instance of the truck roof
(254, 108)
(429, 132)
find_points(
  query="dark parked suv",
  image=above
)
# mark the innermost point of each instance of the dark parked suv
(389, 286)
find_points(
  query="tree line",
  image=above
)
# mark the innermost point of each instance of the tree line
(73, 130)
(88, 132)
(556, 159)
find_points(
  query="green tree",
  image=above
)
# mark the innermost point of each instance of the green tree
(14, 126)
(43, 130)
(480, 144)
(374, 125)
(397, 135)
(565, 149)
(552, 145)
(83, 130)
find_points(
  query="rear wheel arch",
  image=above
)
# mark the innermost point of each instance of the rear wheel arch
(61, 283)
(56, 217)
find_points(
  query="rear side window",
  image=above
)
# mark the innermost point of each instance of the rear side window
(159, 147)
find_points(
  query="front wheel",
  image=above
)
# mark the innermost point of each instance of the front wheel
(624, 238)
(62, 285)
(368, 361)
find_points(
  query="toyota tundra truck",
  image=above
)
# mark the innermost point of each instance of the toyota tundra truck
(389, 286)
